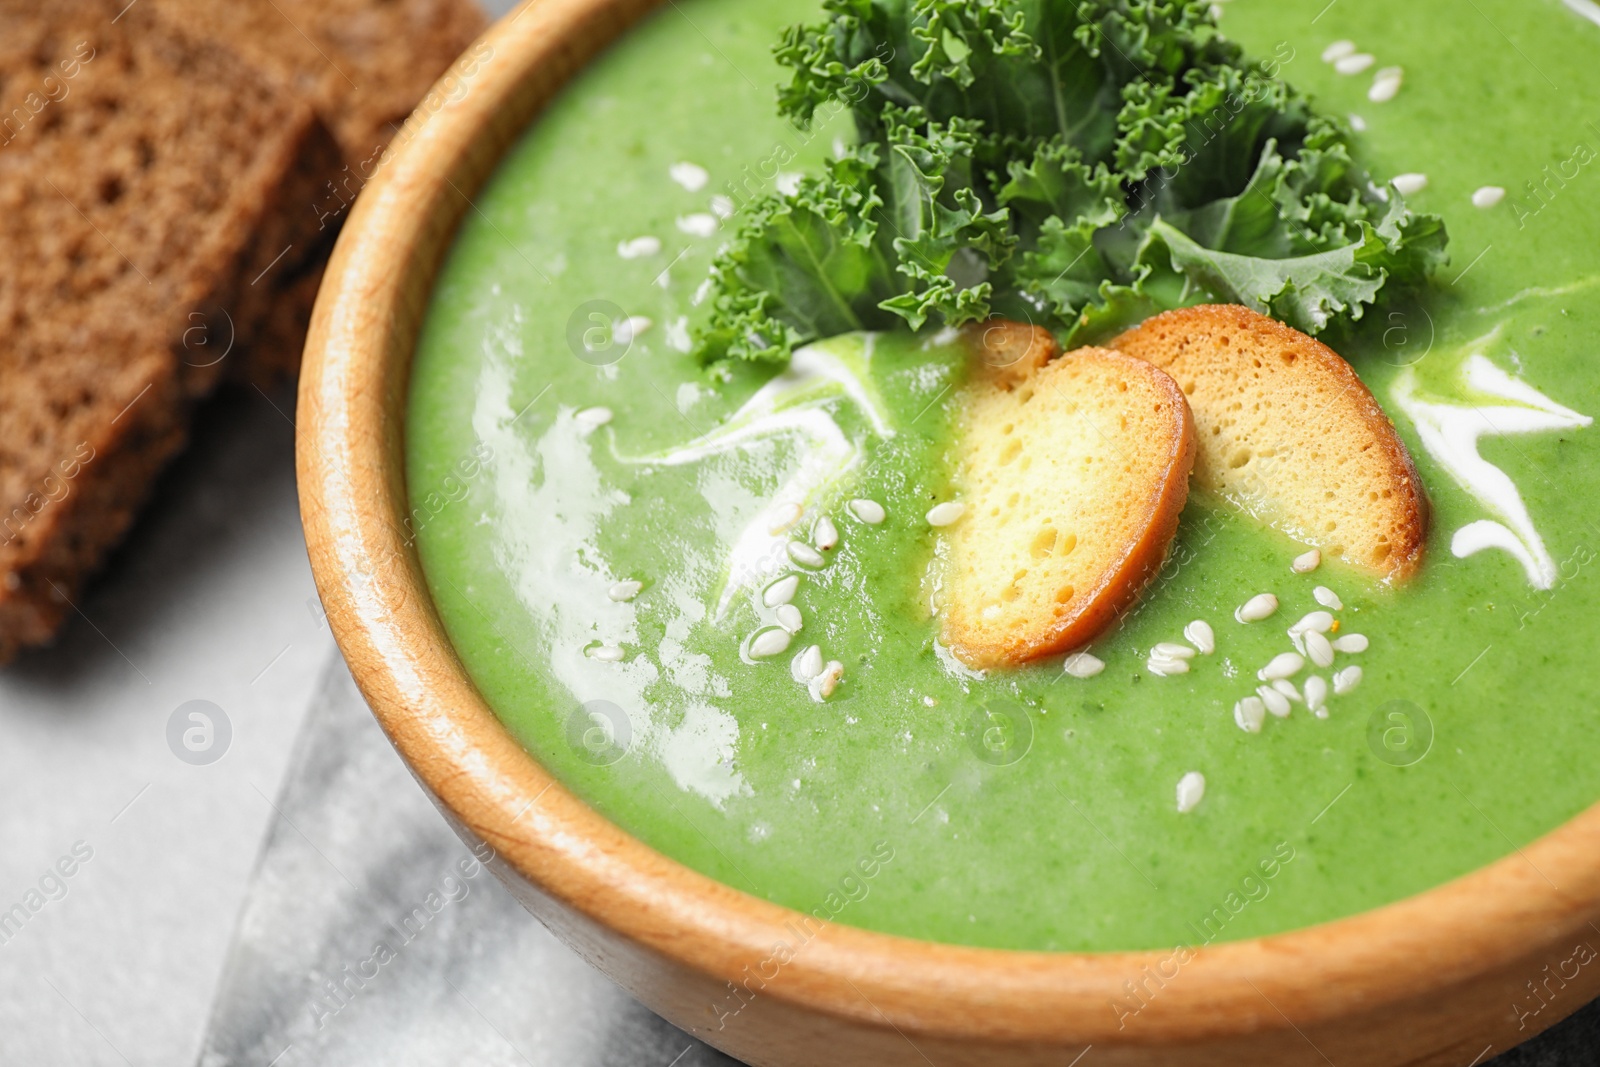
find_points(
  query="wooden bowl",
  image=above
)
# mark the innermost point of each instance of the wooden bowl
(1459, 972)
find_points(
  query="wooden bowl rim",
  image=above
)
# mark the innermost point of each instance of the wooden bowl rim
(354, 504)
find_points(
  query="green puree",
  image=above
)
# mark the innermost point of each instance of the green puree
(1053, 827)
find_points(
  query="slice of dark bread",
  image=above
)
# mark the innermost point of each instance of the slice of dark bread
(151, 230)
(364, 65)
(394, 50)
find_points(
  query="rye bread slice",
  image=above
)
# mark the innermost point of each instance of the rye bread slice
(1074, 472)
(146, 185)
(1290, 435)
(364, 65)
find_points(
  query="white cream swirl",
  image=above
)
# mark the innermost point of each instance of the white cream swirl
(1493, 403)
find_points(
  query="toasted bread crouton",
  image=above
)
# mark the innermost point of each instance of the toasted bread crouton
(1289, 434)
(1011, 351)
(1073, 477)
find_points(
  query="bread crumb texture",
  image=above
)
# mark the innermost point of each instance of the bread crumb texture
(1074, 476)
(1289, 434)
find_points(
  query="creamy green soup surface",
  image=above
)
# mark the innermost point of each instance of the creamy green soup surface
(562, 443)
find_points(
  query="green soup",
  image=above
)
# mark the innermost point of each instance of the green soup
(1022, 809)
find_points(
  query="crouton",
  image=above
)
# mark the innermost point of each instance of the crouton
(1289, 434)
(1073, 477)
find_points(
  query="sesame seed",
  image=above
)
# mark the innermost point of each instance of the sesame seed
(1488, 196)
(781, 591)
(1257, 608)
(1286, 687)
(805, 555)
(808, 664)
(1162, 666)
(1319, 649)
(722, 207)
(1346, 680)
(1318, 621)
(1083, 665)
(868, 511)
(699, 225)
(789, 618)
(1274, 701)
(783, 519)
(1191, 790)
(591, 419)
(1308, 562)
(823, 685)
(1350, 643)
(947, 514)
(769, 643)
(1200, 635)
(689, 175)
(639, 247)
(1316, 692)
(624, 591)
(1249, 714)
(1283, 665)
(788, 183)
(1384, 89)
(1172, 650)
(625, 330)
(825, 535)
(1354, 63)
(1338, 50)
(1328, 598)
(1408, 184)
(1357, 123)
(606, 653)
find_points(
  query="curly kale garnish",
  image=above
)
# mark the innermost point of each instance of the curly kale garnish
(1080, 164)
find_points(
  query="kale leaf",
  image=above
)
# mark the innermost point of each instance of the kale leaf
(1080, 164)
